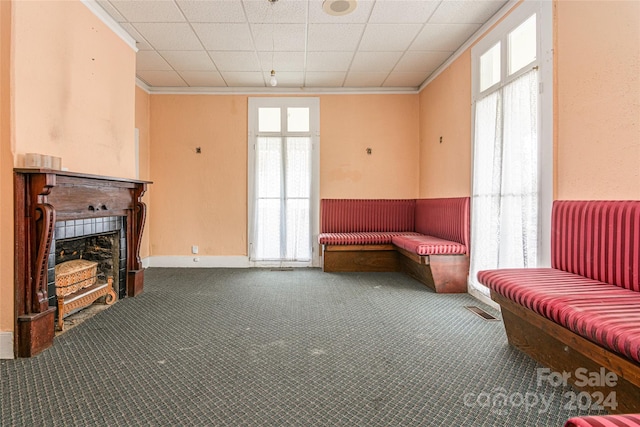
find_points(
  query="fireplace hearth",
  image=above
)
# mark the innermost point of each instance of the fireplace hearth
(65, 215)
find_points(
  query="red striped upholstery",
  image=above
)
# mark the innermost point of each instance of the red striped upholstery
(371, 238)
(447, 219)
(428, 245)
(624, 420)
(599, 240)
(605, 314)
(593, 288)
(366, 215)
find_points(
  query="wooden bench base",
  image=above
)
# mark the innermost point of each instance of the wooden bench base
(445, 274)
(359, 258)
(442, 273)
(561, 350)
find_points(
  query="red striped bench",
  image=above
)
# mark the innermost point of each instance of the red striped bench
(627, 420)
(426, 238)
(584, 311)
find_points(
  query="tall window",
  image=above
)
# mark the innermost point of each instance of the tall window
(511, 171)
(283, 180)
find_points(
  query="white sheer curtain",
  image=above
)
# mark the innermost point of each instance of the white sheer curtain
(283, 199)
(504, 219)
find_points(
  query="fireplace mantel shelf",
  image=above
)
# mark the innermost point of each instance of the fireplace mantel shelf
(42, 196)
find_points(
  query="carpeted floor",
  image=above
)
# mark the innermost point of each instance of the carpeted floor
(254, 347)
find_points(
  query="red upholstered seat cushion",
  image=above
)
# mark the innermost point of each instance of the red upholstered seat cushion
(623, 420)
(363, 238)
(428, 245)
(602, 313)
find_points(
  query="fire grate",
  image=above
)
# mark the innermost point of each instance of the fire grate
(480, 312)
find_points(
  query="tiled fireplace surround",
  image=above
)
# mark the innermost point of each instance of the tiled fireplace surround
(89, 228)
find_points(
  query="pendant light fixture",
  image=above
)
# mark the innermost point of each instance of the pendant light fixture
(272, 81)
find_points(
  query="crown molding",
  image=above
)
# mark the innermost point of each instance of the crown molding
(277, 91)
(142, 85)
(98, 11)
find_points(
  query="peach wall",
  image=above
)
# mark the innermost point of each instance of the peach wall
(74, 88)
(388, 124)
(6, 174)
(142, 122)
(198, 199)
(597, 46)
(445, 111)
(202, 198)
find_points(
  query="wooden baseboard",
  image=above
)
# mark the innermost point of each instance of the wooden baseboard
(561, 350)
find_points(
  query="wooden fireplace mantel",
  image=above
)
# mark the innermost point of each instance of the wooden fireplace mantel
(42, 197)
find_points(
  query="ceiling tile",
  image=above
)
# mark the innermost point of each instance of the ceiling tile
(402, 12)
(164, 36)
(421, 61)
(285, 37)
(375, 61)
(388, 37)
(283, 12)
(141, 43)
(213, 11)
(112, 11)
(356, 79)
(287, 78)
(465, 12)
(334, 37)
(244, 79)
(329, 61)
(203, 78)
(150, 60)
(443, 37)
(282, 61)
(190, 60)
(400, 79)
(324, 79)
(358, 16)
(149, 11)
(225, 36)
(162, 78)
(236, 61)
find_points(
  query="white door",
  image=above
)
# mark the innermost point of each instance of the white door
(283, 181)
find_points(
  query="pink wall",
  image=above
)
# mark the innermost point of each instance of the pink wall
(598, 100)
(445, 111)
(6, 173)
(202, 198)
(74, 88)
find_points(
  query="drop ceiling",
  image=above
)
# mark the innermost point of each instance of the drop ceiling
(234, 44)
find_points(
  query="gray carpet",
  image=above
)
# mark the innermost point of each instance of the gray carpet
(255, 347)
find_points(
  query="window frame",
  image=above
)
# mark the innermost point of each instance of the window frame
(544, 62)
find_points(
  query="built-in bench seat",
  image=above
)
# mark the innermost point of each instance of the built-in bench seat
(426, 238)
(584, 311)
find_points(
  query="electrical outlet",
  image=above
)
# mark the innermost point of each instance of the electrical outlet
(194, 249)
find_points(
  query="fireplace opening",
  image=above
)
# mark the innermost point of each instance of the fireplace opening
(99, 240)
